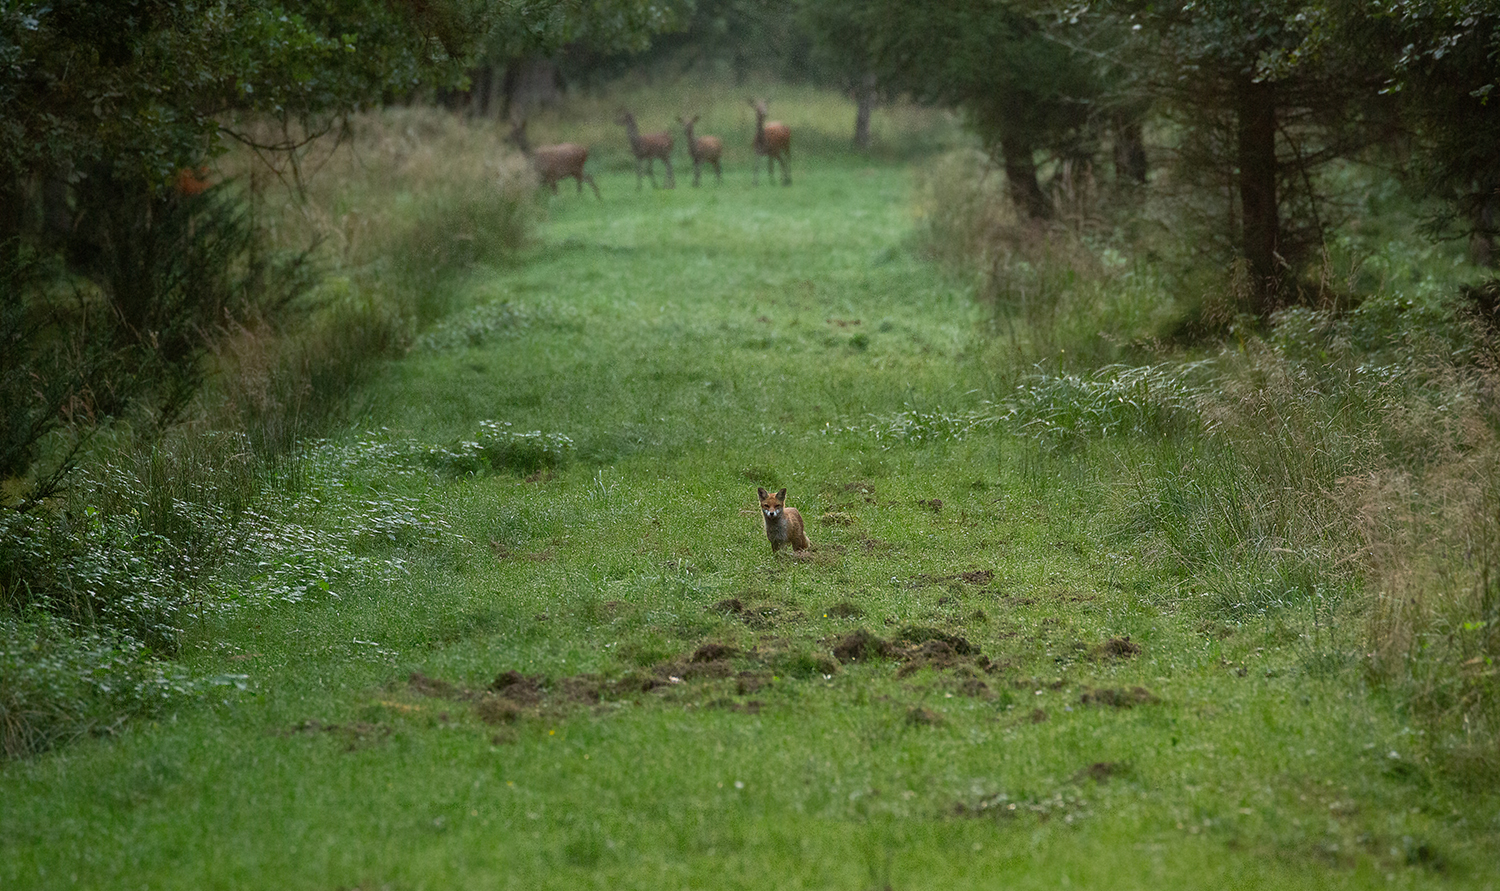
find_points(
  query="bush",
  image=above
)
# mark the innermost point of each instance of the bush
(58, 682)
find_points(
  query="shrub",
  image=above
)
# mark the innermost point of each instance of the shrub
(58, 682)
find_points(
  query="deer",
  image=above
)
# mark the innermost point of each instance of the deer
(648, 147)
(555, 162)
(703, 149)
(772, 139)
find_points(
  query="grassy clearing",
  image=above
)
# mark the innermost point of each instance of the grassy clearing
(476, 656)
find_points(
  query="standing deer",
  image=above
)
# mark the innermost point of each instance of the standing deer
(703, 149)
(774, 140)
(648, 147)
(555, 162)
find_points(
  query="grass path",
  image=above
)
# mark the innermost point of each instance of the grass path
(602, 678)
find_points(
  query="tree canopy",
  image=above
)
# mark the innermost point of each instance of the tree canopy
(1021, 90)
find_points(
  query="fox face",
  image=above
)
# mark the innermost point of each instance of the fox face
(772, 505)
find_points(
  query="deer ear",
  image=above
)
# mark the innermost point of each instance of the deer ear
(781, 496)
(763, 492)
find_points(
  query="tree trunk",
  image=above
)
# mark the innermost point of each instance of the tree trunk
(1482, 237)
(1256, 145)
(481, 93)
(529, 83)
(1020, 177)
(864, 97)
(1130, 152)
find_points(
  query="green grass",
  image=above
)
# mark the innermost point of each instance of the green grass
(693, 344)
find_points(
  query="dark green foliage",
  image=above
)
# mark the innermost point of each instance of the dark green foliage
(164, 276)
(1021, 90)
(1259, 121)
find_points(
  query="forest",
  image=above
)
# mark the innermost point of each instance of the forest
(394, 394)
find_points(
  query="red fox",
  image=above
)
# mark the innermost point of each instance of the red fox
(783, 524)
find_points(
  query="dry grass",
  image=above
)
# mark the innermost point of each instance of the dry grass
(387, 209)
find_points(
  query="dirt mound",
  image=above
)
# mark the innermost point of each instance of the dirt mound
(976, 688)
(494, 709)
(747, 682)
(918, 716)
(520, 688)
(918, 635)
(844, 610)
(1118, 697)
(1116, 648)
(731, 605)
(1101, 771)
(935, 654)
(713, 652)
(861, 645)
(580, 688)
(752, 707)
(434, 687)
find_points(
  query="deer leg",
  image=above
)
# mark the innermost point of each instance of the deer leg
(593, 185)
(718, 173)
(671, 177)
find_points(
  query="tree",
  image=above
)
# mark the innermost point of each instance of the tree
(1022, 90)
(524, 42)
(1440, 63)
(114, 275)
(842, 53)
(1227, 69)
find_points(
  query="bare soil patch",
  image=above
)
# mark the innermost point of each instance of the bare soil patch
(919, 716)
(1101, 771)
(861, 645)
(916, 635)
(845, 610)
(1116, 648)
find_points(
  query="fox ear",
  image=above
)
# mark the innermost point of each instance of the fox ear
(781, 496)
(762, 491)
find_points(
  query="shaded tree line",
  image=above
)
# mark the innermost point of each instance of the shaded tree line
(1263, 94)
(119, 262)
